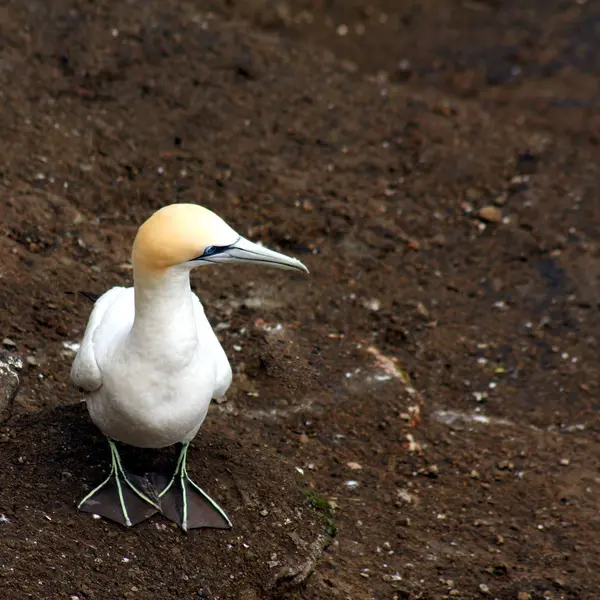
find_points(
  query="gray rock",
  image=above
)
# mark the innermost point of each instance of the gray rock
(9, 383)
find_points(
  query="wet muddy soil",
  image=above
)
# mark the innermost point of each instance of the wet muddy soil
(429, 394)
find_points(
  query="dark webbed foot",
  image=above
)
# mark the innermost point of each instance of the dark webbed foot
(122, 497)
(185, 503)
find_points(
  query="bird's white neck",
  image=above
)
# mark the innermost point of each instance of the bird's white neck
(164, 305)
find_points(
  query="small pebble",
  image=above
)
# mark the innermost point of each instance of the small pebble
(9, 343)
(484, 588)
(505, 465)
(373, 304)
(491, 214)
(431, 471)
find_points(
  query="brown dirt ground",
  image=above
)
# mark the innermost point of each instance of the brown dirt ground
(444, 363)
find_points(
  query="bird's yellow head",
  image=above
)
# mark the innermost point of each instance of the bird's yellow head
(177, 234)
(193, 236)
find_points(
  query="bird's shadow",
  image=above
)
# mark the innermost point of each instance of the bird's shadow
(62, 452)
(83, 443)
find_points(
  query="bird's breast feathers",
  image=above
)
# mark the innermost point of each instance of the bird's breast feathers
(147, 392)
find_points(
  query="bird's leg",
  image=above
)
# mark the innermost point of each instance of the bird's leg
(185, 503)
(122, 497)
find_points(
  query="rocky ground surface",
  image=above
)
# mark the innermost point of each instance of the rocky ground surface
(430, 393)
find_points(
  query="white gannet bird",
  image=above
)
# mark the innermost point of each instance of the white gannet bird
(151, 363)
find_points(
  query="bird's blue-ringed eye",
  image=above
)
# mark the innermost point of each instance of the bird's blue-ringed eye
(209, 250)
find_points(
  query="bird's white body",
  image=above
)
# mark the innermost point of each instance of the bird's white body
(151, 362)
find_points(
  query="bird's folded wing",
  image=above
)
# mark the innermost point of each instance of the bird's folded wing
(85, 373)
(213, 349)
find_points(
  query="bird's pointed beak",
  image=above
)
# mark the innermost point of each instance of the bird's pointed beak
(245, 251)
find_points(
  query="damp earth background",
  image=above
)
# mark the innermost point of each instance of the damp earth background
(429, 393)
